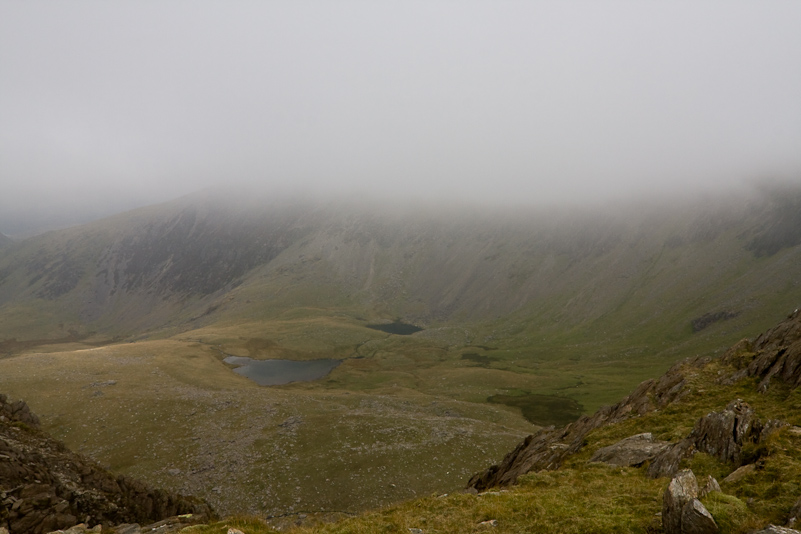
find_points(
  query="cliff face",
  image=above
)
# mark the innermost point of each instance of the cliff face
(44, 486)
(774, 355)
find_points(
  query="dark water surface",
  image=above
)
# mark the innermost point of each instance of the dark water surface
(399, 328)
(277, 372)
(544, 410)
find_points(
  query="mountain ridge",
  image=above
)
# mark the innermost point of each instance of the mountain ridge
(417, 265)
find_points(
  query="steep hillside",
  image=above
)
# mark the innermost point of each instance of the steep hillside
(5, 241)
(212, 257)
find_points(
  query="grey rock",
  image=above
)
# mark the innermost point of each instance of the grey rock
(17, 411)
(740, 473)
(667, 462)
(631, 452)
(795, 514)
(719, 434)
(696, 519)
(128, 529)
(683, 488)
(710, 485)
(723, 434)
(773, 529)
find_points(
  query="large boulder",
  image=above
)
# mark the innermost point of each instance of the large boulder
(632, 451)
(17, 411)
(723, 434)
(667, 462)
(682, 512)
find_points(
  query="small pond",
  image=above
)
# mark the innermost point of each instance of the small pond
(543, 410)
(401, 329)
(277, 372)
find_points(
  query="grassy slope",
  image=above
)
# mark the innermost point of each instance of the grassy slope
(175, 405)
(582, 497)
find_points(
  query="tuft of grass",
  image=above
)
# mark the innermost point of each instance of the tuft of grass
(730, 513)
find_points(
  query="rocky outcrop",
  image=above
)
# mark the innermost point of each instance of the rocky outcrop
(773, 529)
(631, 452)
(726, 435)
(776, 354)
(682, 512)
(548, 448)
(170, 525)
(45, 487)
(17, 412)
(667, 462)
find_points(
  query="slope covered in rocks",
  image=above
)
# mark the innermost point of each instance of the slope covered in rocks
(45, 487)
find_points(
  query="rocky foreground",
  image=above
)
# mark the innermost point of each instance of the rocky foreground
(45, 487)
(734, 435)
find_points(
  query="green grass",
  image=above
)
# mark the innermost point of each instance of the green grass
(584, 497)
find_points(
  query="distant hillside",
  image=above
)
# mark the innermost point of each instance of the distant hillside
(5, 241)
(214, 257)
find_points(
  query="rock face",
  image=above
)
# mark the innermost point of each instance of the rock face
(45, 487)
(631, 452)
(773, 529)
(667, 462)
(723, 434)
(682, 512)
(17, 411)
(774, 354)
(720, 434)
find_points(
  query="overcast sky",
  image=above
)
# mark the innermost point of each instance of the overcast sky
(106, 105)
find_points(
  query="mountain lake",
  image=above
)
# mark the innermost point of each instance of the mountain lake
(277, 372)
